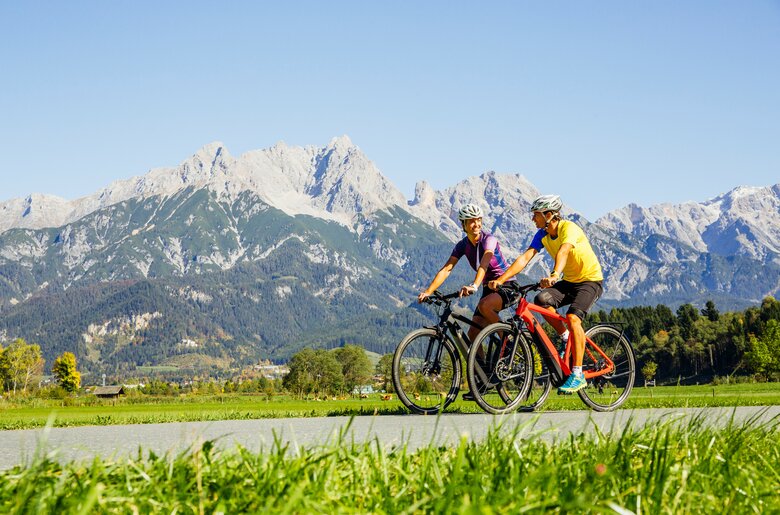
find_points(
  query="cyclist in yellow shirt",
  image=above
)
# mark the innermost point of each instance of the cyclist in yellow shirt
(574, 281)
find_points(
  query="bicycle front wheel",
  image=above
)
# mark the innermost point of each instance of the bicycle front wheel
(499, 368)
(426, 371)
(608, 391)
(541, 385)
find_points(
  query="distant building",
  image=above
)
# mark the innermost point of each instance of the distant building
(271, 371)
(363, 389)
(109, 392)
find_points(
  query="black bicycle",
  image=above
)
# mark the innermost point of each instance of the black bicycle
(427, 370)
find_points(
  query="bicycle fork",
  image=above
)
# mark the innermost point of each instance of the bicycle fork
(432, 363)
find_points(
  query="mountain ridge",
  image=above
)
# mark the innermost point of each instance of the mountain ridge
(320, 181)
(240, 257)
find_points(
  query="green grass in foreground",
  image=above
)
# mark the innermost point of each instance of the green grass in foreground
(663, 468)
(34, 413)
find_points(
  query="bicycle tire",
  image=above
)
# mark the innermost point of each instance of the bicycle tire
(608, 392)
(426, 387)
(508, 383)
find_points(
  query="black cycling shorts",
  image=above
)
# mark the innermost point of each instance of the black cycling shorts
(505, 297)
(580, 297)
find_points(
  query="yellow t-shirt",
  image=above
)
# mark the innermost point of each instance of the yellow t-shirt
(582, 264)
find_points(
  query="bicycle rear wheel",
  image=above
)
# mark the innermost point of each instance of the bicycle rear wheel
(609, 391)
(499, 368)
(426, 371)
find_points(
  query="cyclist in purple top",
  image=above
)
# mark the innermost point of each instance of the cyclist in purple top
(484, 255)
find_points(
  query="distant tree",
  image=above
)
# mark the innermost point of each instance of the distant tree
(268, 388)
(229, 387)
(328, 377)
(385, 369)
(763, 354)
(649, 370)
(686, 316)
(20, 361)
(212, 388)
(314, 371)
(300, 380)
(355, 366)
(770, 309)
(711, 312)
(4, 370)
(65, 371)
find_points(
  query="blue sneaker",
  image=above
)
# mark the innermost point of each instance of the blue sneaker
(574, 383)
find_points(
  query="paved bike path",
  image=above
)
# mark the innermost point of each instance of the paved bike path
(84, 443)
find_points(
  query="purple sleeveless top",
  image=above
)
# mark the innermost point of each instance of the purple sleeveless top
(474, 255)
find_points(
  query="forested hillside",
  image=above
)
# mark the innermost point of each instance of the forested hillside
(697, 345)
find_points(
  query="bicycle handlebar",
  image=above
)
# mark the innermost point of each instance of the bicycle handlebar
(438, 297)
(512, 288)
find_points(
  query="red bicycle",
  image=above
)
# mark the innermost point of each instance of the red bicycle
(608, 363)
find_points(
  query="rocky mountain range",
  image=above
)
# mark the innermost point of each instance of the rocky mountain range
(232, 258)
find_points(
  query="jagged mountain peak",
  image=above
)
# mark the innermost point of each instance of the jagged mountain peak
(206, 165)
(33, 211)
(424, 195)
(336, 182)
(346, 181)
(504, 198)
(744, 221)
(41, 198)
(343, 143)
(211, 150)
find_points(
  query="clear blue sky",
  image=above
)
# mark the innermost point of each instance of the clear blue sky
(606, 103)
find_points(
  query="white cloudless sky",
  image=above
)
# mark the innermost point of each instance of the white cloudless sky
(606, 103)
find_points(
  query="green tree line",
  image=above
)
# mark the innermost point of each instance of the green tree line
(321, 372)
(689, 344)
(703, 344)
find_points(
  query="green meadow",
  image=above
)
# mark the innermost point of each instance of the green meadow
(662, 468)
(86, 410)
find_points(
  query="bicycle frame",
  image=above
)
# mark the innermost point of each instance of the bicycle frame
(558, 366)
(447, 324)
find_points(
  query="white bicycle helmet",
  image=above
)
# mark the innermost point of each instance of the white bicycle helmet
(547, 203)
(469, 211)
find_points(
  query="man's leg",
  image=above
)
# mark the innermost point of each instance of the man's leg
(576, 380)
(585, 296)
(578, 336)
(551, 299)
(557, 324)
